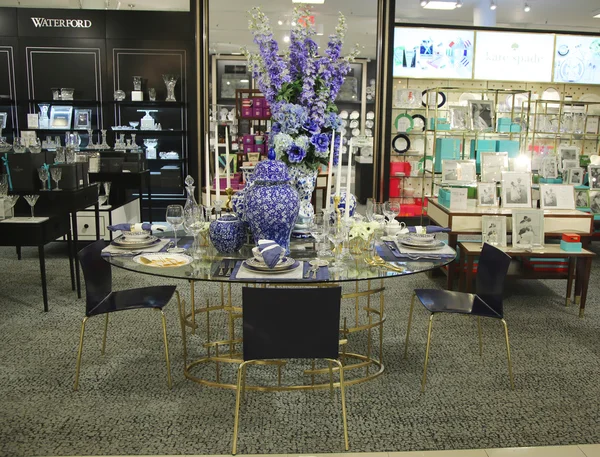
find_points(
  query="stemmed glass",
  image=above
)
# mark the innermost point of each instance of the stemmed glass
(19, 145)
(337, 234)
(12, 201)
(44, 175)
(370, 208)
(193, 223)
(391, 209)
(378, 214)
(175, 218)
(35, 147)
(107, 192)
(3, 185)
(56, 174)
(32, 200)
(318, 227)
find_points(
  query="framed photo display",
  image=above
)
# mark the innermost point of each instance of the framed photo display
(3, 117)
(459, 118)
(527, 228)
(568, 153)
(557, 196)
(582, 198)
(594, 176)
(549, 168)
(83, 119)
(516, 189)
(60, 117)
(459, 172)
(492, 166)
(493, 230)
(566, 164)
(594, 199)
(482, 115)
(486, 194)
(575, 176)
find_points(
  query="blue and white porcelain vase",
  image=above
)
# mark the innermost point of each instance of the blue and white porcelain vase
(227, 234)
(342, 205)
(271, 203)
(304, 179)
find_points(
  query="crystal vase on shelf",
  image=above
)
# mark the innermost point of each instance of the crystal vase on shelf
(303, 179)
(271, 203)
(170, 82)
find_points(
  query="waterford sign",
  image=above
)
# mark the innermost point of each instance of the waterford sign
(39, 22)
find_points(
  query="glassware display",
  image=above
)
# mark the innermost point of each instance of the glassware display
(5, 146)
(378, 214)
(318, 227)
(32, 200)
(66, 93)
(3, 186)
(370, 208)
(91, 144)
(134, 146)
(55, 93)
(60, 154)
(391, 210)
(56, 174)
(134, 124)
(150, 144)
(35, 146)
(152, 94)
(19, 145)
(44, 120)
(104, 144)
(137, 83)
(44, 175)
(170, 82)
(107, 191)
(337, 234)
(57, 142)
(9, 202)
(175, 218)
(119, 95)
(70, 155)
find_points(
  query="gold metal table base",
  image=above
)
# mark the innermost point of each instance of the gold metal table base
(359, 365)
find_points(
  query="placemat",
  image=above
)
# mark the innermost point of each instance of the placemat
(239, 272)
(114, 251)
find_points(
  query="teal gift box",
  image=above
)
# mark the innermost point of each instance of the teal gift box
(444, 197)
(479, 146)
(510, 146)
(570, 246)
(446, 149)
(441, 123)
(515, 128)
(503, 124)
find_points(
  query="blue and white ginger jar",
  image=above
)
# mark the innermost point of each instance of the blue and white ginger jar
(271, 203)
(227, 234)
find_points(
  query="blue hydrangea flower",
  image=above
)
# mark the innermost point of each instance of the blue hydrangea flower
(321, 142)
(296, 154)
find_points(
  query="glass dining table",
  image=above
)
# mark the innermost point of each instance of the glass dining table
(211, 320)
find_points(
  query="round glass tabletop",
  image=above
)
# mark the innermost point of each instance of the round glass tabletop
(226, 267)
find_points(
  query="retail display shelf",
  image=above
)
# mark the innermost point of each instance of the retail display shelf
(147, 104)
(66, 102)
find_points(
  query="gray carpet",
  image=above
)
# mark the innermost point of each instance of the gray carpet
(124, 407)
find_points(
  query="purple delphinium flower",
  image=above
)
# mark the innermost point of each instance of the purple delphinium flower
(296, 154)
(336, 150)
(320, 141)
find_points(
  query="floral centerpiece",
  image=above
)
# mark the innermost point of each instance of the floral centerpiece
(301, 87)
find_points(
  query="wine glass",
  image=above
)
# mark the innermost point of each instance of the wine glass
(391, 209)
(44, 175)
(107, 191)
(56, 174)
(19, 145)
(378, 214)
(193, 223)
(369, 211)
(3, 185)
(318, 228)
(32, 200)
(175, 218)
(337, 234)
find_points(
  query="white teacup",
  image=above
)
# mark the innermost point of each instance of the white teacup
(394, 227)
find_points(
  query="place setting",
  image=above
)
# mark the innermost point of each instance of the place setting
(416, 243)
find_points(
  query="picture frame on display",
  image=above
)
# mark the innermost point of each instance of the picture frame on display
(486, 194)
(557, 196)
(3, 117)
(527, 228)
(566, 164)
(568, 153)
(516, 189)
(481, 113)
(492, 166)
(82, 119)
(493, 230)
(594, 177)
(459, 172)
(582, 198)
(459, 118)
(549, 167)
(594, 201)
(60, 117)
(575, 176)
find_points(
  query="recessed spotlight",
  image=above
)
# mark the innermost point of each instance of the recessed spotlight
(286, 39)
(459, 4)
(527, 8)
(493, 5)
(280, 22)
(440, 5)
(424, 2)
(597, 16)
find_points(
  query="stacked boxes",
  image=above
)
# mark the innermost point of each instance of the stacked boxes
(256, 108)
(570, 242)
(446, 149)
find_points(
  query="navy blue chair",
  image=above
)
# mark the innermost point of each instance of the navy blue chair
(486, 302)
(298, 323)
(101, 300)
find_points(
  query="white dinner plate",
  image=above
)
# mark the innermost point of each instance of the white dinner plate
(344, 114)
(354, 115)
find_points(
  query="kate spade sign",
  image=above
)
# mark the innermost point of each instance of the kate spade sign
(61, 23)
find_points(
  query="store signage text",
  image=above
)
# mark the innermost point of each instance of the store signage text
(61, 23)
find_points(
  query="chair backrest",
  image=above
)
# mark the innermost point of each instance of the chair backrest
(298, 323)
(491, 273)
(96, 273)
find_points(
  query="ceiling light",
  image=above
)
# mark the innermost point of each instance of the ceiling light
(423, 3)
(286, 39)
(493, 5)
(280, 22)
(527, 8)
(318, 2)
(459, 4)
(244, 80)
(597, 16)
(440, 5)
(293, 23)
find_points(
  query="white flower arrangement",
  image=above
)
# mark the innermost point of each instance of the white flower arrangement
(363, 230)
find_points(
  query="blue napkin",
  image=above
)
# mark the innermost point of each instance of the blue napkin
(429, 229)
(271, 252)
(128, 227)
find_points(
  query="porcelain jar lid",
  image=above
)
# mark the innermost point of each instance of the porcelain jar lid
(270, 171)
(228, 218)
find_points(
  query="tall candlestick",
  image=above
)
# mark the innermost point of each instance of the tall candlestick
(338, 173)
(227, 170)
(217, 174)
(207, 168)
(348, 182)
(330, 171)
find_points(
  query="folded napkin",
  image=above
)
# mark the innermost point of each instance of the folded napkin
(428, 229)
(271, 252)
(135, 227)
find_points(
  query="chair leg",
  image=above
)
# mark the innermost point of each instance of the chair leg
(412, 304)
(427, 353)
(330, 379)
(510, 372)
(343, 395)
(164, 326)
(480, 337)
(182, 324)
(78, 365)
(238, 395)
(104, 335)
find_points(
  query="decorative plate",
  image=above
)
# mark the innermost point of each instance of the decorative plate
(404, 122)
(571, 70)
(355, 132)
(354, 115)
(428, 98)
(248, 264)
(369, 124)
(370, 115)
(401, 143)
(344, 114)
(353, 124)
(419, 122)
(163, 260)
(369, 133)
(135, 244)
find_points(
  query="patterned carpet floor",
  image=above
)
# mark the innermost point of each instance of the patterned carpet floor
(124, 407)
